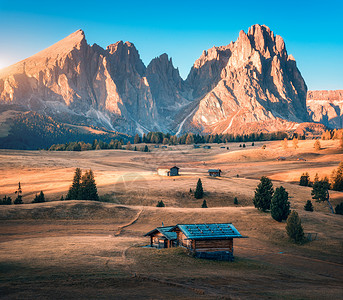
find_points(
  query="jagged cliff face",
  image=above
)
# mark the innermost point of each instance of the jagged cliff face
(249, 85)
(326, 107)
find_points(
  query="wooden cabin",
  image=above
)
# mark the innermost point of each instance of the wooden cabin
(162, 237)
(212, 241)
(207, 147)
(168, 171)
(214, 172)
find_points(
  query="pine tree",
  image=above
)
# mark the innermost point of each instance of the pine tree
(263, 194)
(146, 149)
(337, 178)
(317, 145)
(304, 179)
(74, 190)
(308, 206)
(128, 146)
(19, 192)
(295, 142)
(39, 198)
(339, 209)
(279, 206)
(160, 204)
(235, 200)
(320, 192)
(137, 139)
(199, 192)
(88, 187)
(204, 204)
(62, 199)
(190, 139)
(294, 228)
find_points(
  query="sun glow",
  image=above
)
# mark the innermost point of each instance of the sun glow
(3, 63)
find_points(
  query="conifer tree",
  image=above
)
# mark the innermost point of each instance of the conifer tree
(263, 194)
(19, 192)
(317, 145)
(337, 178)
(160, 204)
(204, 204)
(235, 200)
(39, 198)
(294, 228)
(128, 146)
(308, 206)
(88, 187)
(74, 190)
(199, 192)
(339, 209)
(304, 179)
(279, 206)
(320, 192)
(137, 139)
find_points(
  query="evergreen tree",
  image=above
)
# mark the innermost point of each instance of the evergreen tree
(137, 139)
(263, 194)
(304, 179)
(74, 190)
(317, 145)
(199, 192)
(295, 142)
(235, 200)
(190, 139)
(62, 198)
(88, 187)
(135, 149)
(308, 206)
(204, 204)
(320, 192)
(339, 209)
(160, 204)
(279, 206)
(146, 149)
(294, 228)
(128, 146)
(6, 201)
(19, 192)
(337, 178)
(39, 198)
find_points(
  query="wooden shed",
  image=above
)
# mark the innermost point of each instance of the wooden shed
(211, 241)
(168, 171)
(214, 172)
(162, 237)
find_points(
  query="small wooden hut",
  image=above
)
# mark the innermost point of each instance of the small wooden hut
(168, 171)
(212, 241)
(162, 237)
(214, 172)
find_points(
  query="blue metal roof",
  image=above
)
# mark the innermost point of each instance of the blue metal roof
(214, 170)
(165, 231)
(209, 231)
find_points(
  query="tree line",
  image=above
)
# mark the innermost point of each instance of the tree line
(156, 137)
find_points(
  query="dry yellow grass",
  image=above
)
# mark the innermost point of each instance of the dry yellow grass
(69, 249)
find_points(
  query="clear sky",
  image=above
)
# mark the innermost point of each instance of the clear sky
(312, 30)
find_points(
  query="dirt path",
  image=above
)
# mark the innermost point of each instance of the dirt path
(133, 221)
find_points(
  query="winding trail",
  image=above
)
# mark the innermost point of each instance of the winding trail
(133, 221)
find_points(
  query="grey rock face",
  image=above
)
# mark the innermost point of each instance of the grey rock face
(249, 85)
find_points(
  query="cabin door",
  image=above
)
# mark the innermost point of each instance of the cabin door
(165, 244)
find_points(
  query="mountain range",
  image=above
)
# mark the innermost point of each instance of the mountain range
(250, 85)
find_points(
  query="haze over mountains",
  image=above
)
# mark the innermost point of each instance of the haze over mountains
(250, 85)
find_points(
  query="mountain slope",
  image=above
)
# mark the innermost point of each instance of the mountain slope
(256, 86)
(249, 85)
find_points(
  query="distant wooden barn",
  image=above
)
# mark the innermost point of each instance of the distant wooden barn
(168, 171)
(162, 237)
(211, 241)
(214, 172)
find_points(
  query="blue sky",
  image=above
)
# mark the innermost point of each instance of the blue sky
(312, 30)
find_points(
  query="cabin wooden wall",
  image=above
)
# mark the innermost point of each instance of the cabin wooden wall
(213, 245)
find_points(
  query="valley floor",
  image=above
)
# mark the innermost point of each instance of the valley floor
(82, 249)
